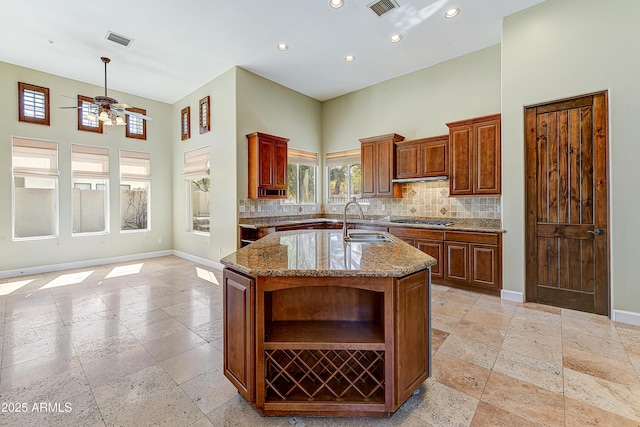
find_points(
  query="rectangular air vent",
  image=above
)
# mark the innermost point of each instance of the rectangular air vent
(382, 6)
(117, 38)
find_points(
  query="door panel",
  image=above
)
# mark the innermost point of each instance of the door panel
(566, 195)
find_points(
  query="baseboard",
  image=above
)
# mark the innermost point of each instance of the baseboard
(626, 317)
(512, 296)
(40, 269)
(199, 260)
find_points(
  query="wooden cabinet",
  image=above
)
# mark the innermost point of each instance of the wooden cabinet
(430, 242)
(413, 334)
(474, 158)
(474, 259)
(423, 158)
(465, 259)
(267, 166)
(378, 166)
(239, 340)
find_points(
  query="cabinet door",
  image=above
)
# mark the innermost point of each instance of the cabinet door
(413, 333)
(368, 159)
(239, 344)
(456, 261)
(435, 158)
(460, 182)
(436, 250)
(279, 165)
(408, 161)
(385, 164)
(488, 170)
(485, 266)
(265, 162)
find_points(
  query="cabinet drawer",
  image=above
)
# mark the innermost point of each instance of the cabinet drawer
(471, 237)
(416, 233)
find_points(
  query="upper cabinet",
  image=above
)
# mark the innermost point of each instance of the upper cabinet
(378, 166)
(474, 159)
(267, 166)
(423, 158)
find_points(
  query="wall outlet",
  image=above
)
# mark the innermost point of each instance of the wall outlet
(383, 207)
(259, 208)
(253, 208)
(219, 251)
(284, 209)
(364, 209)
(241, 208)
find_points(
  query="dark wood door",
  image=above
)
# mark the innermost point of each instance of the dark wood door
(567, 262)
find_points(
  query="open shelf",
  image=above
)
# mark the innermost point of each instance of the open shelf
(324, 335)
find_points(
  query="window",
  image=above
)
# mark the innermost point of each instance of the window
(344, 176)
(90, 189)
(135, 180)
(35, 189)
(33, 104)
(196, 175)
(136, 125)
(185, 123)
(205, 115)
(87, 115)
(301, 181)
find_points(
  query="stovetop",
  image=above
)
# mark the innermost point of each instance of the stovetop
(422, 221)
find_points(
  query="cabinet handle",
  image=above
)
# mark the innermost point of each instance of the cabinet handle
(597, 231)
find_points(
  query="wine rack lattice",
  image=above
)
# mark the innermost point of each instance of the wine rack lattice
(324, 375)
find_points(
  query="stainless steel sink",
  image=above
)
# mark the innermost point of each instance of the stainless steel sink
(368, 238)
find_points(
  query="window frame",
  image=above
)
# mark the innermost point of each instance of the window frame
(302, 158)
(81, 113)
(26, 172)
(128, 133)
(22, 87)
(185, 123)
(130, 154)
(91, 176)
(349, 159)
(196, 167)
(204, 116)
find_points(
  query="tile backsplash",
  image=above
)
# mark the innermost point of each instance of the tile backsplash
(420, 199)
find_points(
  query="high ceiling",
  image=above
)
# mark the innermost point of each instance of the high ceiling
(181, 45)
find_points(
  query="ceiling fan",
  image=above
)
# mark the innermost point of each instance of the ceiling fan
(107, 109)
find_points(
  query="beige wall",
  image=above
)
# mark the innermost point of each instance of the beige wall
(221, 140)
(63, 129)
(415, 105)
(560, 49)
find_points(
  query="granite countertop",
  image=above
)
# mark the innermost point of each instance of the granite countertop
(323, 253)
(459, 224)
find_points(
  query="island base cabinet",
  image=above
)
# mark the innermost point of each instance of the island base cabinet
(327, 346)
(239, 340)
(413, 334)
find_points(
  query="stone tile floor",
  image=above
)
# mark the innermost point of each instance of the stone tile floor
(140, 343)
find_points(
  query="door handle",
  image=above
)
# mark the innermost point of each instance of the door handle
(597, 231)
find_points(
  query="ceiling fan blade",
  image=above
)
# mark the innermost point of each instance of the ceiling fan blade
(70, 107)
(122, 105)
(67, 96)
(133, 113)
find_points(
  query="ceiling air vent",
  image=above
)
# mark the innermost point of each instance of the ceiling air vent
(382, 6)
(117, 38)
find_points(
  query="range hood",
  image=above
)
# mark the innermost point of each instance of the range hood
(423, 179)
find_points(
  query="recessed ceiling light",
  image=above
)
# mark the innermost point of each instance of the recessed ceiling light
(282, 46)
(450, 13)
(336, 3)
(395, 38)
(349, 58)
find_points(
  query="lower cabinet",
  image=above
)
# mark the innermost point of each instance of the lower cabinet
(465, 259)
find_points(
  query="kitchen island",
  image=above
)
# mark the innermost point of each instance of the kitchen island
(314, 325)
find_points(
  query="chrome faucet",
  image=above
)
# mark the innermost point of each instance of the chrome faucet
(344, 224)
